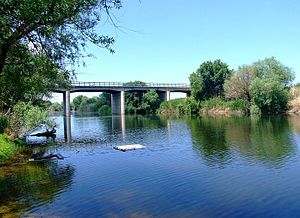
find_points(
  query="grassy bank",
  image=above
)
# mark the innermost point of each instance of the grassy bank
(8, 149)
(217, 106)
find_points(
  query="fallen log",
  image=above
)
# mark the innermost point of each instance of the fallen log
(48, 157)
(47, 134)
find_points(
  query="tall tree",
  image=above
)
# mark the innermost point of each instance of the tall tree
(209, 79)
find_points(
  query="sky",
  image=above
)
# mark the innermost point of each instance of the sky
(165, 41)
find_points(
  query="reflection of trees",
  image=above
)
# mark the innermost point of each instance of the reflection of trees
(23, 187)
(209, 139)
(137, 122)
(270, 139)
(267, 140)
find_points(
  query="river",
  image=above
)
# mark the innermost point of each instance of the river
(201, 167)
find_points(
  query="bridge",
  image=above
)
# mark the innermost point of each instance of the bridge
(117, 91)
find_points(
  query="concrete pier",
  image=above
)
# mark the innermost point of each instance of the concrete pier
(67, 104)
(164, 95)
(118, 103)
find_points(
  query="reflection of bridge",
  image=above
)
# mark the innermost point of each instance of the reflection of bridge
(117, 91)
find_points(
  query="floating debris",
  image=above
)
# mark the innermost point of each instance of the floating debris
(129, 147)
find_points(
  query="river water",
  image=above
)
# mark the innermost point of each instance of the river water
(202, 167)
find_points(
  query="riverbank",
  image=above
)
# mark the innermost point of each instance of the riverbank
(216, 107)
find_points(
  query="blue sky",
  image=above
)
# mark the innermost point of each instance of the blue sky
(165, 41)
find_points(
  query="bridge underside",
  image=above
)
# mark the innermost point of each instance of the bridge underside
(118, 94)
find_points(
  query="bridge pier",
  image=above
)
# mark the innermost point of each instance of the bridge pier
(118, 103)
(67, 104)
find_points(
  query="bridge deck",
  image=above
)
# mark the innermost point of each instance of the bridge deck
(119, 86)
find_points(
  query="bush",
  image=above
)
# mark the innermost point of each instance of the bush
(177, 106)
(218, 103)
(105, 110)
(3, 123)
(25, 117)
(270, 96)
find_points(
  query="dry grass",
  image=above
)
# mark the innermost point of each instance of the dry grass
(294, 106)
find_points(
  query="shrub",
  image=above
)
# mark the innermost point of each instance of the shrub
(175, 106)
(218, 103)
(105, 110)
(270, 96)
(25, 117)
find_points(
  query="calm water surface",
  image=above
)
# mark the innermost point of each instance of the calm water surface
(205, 167)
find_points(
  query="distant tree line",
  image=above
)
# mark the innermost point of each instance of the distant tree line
(135, 102)
(98, 104)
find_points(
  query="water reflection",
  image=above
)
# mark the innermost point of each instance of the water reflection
(26, 186)
(267, 140)
(67, 129)
(209, 139)
(151, 122)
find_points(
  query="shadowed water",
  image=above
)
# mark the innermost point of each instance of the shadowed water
(205, 167)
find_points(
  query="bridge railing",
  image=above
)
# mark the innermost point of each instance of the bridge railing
(120, 84)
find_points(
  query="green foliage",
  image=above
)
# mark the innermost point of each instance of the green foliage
(25, 117)
(151, 101)
(84, 104)
(271, 69)
(209, 79)
(179, 106)
(270, 96)
(33, 80)
(264, 85)
(193, 106)
(7, 149)
(105, 110)
(56, 107)
(135, 83)
(3, 123)
(218, 103)
(141, 103)
(58, 29)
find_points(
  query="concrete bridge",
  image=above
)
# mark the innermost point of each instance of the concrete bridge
(117, 91)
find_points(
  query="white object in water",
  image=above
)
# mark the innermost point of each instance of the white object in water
(129, 147)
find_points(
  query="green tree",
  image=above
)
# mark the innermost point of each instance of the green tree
(208, 80)
(151, 101)
(134, 100)
(57, 29)
(33, 81)
(77, 102)
(269, 91)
